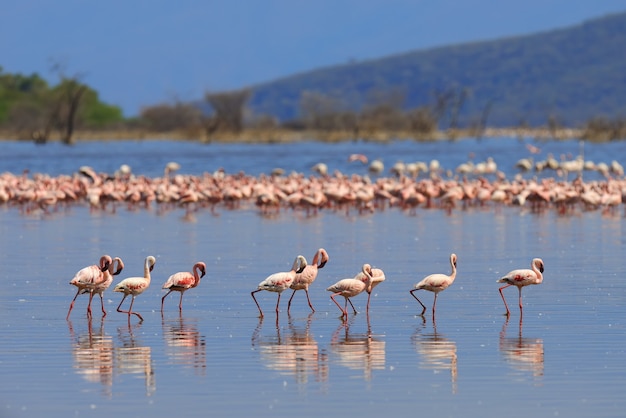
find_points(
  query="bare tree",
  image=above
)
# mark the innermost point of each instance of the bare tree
(229, 109)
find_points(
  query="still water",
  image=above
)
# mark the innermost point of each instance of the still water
(564, 357)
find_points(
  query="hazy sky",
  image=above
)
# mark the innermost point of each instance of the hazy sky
(142, 52)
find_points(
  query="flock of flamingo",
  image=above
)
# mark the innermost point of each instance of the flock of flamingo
(97, 278)
(408, 186)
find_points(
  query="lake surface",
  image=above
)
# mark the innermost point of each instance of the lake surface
(565, 358)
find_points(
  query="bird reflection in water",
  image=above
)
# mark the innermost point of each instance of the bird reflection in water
(358, 351)
(436, 351)
(524, 354)
(184, 344)
(294, 352)
(93, 355)
(133, 358)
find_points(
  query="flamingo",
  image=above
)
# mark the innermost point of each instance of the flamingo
(378, 276)
(278, 282)
(99, 288)
(436, 283)
(304, 279)
(349, 288)
(135, 286)
(521, 278)
(182, 281)
(95, 278)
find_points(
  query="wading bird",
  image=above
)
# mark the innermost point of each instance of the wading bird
(304, 279)
(135, 286)
(436, 283)
(278, 282)
(95, 279)
(349, 288)
(182, 281)
(521, 278)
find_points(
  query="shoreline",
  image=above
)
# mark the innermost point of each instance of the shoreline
(286, 136)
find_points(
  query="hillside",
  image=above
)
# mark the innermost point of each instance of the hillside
(572, 74)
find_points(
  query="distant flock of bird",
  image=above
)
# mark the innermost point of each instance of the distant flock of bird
(96, 279)
(409, 186)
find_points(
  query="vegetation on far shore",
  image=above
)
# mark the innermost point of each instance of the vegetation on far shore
(32, 110)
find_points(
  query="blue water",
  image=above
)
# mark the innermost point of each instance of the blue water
(562, 359)
(150, 157)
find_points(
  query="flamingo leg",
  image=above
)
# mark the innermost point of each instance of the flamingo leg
(257, 303)
(104, 312)
(343, 312)
(180, 304)
(72, 304)
(369, 295)
(306, 291)
(163, 299)
(277, 302)
(434, 304)
(504, 300)
(520, 299)
(353, 308)
(423, 306)
(120, 305)
(130, 310)
(289, 303)
(89, 304)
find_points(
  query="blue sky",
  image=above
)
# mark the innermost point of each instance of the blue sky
(142, 52)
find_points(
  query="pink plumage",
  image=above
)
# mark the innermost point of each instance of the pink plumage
(279, 282)
(183, 281)
(521, 278)
(349, 288)
(135, 286)
(95, 279)
(304, 279)
(436, 283)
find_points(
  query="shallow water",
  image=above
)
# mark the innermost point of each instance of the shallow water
(563, 359)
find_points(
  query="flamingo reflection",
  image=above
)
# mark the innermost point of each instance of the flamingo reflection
(358, 351)
(524, 354)
(93, 355)
(296, 353)
(436, 352)
(184, 345)
(133, 358)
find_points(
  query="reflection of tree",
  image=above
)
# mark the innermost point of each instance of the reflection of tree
(184, 344)
(296, 353)
(524, 354)
(436, 351)
(133, 358)
(358, 351)
(93, 355)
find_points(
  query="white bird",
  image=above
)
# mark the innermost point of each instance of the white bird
(135, 286)
(436, 283)
(279, 282)
(521, 278)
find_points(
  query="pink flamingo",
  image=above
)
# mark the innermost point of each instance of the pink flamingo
(279, 282)
(378, 276)
(135, 286)
(349, 288)
(99, 288)
(304, 279)
(521, 278)
(95, 278)
(436, 283)
(182, 281)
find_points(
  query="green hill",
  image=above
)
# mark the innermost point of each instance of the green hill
(571, 74)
